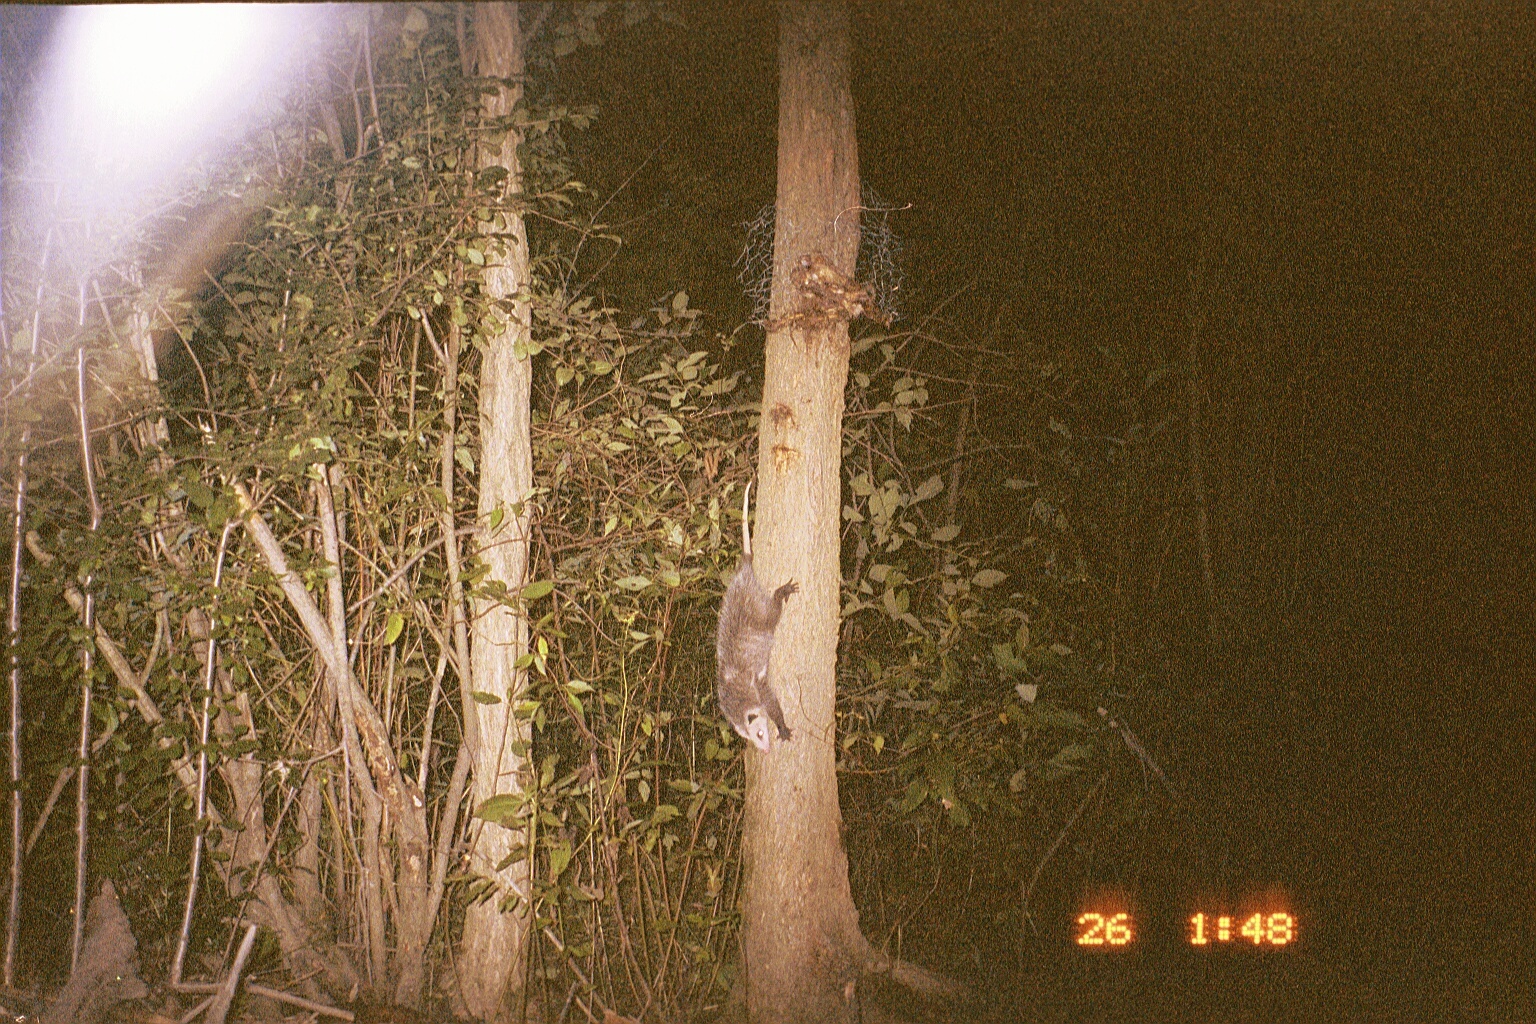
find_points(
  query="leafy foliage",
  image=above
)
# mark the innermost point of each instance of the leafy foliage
(343, 334)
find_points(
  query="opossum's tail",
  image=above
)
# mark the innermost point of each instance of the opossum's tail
(746, 534)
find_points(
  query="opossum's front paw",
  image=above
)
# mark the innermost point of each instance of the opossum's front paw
(787, 589)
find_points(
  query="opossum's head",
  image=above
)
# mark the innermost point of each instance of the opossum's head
(760, 730)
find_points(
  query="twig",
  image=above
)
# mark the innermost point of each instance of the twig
(1141, 752)
(275, 994)
(226, 994)
(1029, 889)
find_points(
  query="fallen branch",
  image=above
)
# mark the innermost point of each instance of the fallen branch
(275, 994)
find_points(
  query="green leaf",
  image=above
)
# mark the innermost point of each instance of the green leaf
(481, 697)
(538, 589)
(497, 515)
(632, 583)
(559, 858)
(392, 627)
(1072, 752)
(916, 793)
(500, 808)
(1007, 660)
(198, 493)
(1046, 713)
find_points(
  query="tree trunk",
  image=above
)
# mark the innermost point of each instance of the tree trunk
(801, 946)
(1197, 456)
(493, 952)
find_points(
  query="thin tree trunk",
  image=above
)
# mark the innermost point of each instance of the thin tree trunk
(495, 942)
(13, 637)
(87, 664)
(801, 945)
(952, 497)
(1197, 457)
(802, 950)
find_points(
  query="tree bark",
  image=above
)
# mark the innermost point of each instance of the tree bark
(801, 945)
(493, 952)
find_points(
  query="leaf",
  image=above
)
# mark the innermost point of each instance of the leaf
(988, 578)
(1017, 780)
(481, 697)
(538, 589)
(1007, 660)
(632, 583)
(497, 515)
(559, 858)
(1047, 713)
(500, 808)
(916, 793)
(679, 302)
(1027, 692)
(933, 485)
(392, 627)
(945, 534)
(1072, 752)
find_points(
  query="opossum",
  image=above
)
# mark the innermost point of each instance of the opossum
(748, 616)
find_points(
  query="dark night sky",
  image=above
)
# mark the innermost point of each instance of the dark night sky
(1363, 174)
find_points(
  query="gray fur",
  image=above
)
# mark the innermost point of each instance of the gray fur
(749, 614)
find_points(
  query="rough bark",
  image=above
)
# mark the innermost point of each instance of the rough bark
(493, 951)
(801, 946)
